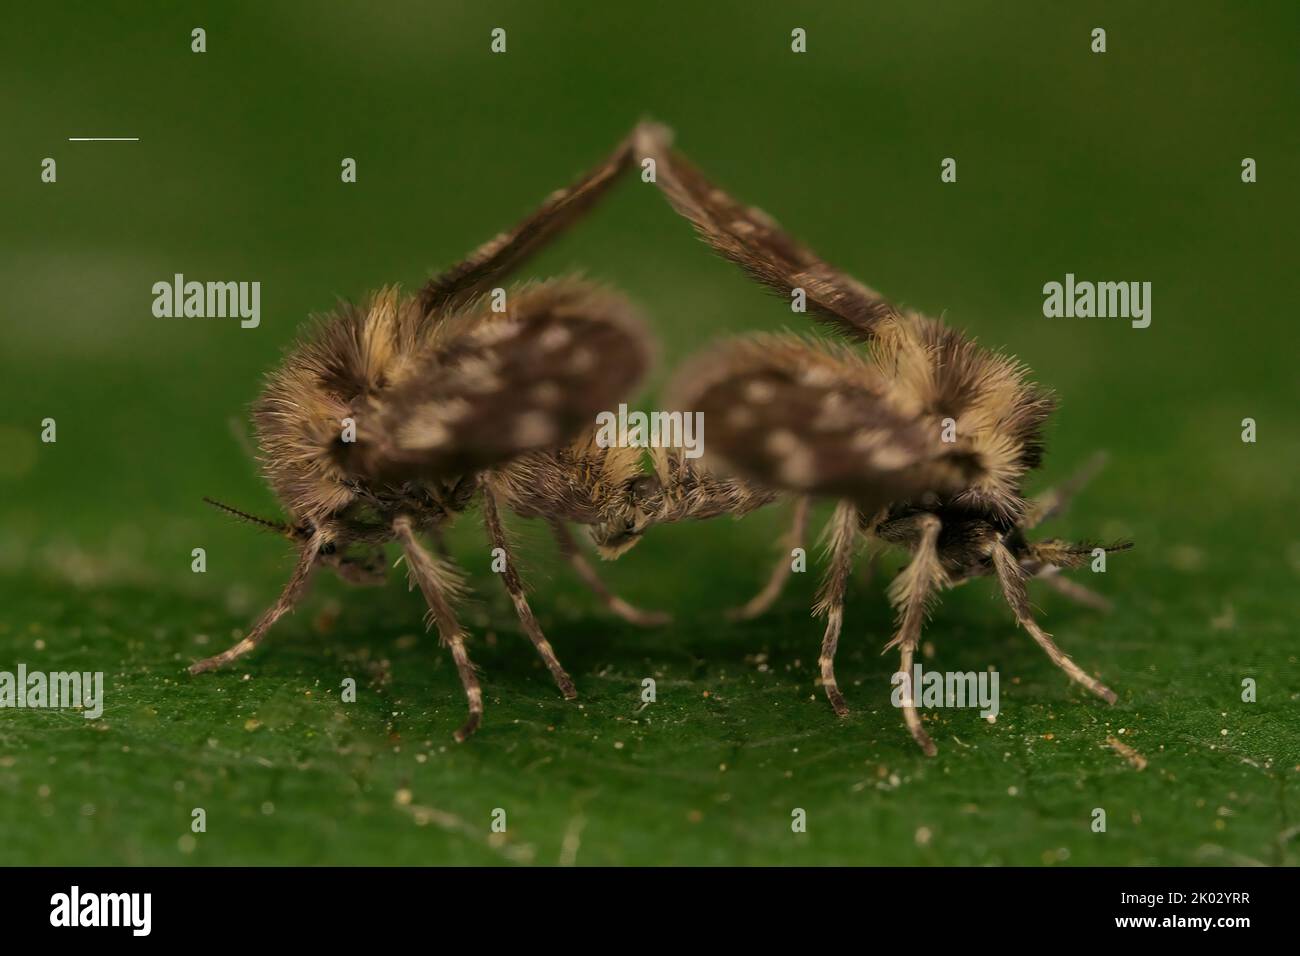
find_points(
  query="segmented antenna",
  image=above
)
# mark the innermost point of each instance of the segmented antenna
(277, 526)
(1087, 547)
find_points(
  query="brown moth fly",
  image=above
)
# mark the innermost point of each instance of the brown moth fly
(387, 421)
(864, 422)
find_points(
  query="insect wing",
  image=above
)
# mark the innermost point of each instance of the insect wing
(754, 241)
(815, 419)
(502, 384)
(505, 252)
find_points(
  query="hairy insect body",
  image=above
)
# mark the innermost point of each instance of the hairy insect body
(390, 419)
(865, 422)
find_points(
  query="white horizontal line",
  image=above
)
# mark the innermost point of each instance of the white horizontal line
(103, 139)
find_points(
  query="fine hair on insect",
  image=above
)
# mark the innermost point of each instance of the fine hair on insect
(389, 419)
(922, 437)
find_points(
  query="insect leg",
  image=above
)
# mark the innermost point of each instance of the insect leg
(439, 542)
(911, 593)
(510, 576)
(439, 584)
(1076, 592)
(843, 530)
(870, 566)
(292, 593)
(582, 567)
(1055, 500)
(1012, 580)
(793, 538)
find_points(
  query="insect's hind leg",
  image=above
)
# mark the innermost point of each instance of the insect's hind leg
(510, 576)
(843, 531)
(1012, 580)
(289, 597)
(793, 538)
(616, 605)
(439, 584)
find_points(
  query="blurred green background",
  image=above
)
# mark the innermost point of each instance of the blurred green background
(1122, 166)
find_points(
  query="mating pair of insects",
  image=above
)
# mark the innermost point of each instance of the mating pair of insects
(448, 401)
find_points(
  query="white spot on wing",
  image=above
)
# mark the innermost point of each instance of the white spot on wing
(865, 439)
(423, 431)
(490, 333)
(834, 413)
(582, 362)
(534, 429)
(478, 373)
(554, 338)
(818, 376)
(796, 465)
(891, 458)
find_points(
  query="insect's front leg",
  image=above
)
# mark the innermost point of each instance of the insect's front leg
(510, 576)
(910, 593)
(830, 601)
(582, 567)
(439, 584)
(1012, 579)
(792, 539)
(289, 597)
